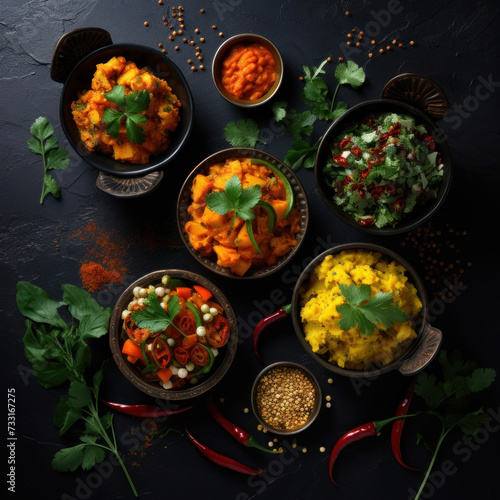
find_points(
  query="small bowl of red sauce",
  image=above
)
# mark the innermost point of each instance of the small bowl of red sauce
(247, 70)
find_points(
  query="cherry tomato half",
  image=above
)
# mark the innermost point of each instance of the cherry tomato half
(218, 331)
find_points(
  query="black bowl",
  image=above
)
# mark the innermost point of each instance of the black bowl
(79, 79)
(356, 114)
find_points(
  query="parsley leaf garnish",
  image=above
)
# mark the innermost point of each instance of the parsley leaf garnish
(234, 197)
(242, 134)
(131, 107)
(54, 157)
(154, 316)
(366, 313)
(350, 73)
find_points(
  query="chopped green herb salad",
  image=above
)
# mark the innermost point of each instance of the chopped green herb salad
(382, 168)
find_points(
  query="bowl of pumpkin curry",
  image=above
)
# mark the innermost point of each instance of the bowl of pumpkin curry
(242, 213)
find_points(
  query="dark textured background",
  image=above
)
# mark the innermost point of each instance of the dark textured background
(456, 44)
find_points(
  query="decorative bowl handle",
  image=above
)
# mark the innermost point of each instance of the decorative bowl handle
(72, 47)
(429, 345)
(419, 91)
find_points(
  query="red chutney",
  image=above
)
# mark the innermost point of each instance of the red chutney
(248, 71)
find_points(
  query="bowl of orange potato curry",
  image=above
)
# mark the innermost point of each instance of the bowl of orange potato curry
(242, 213)
(125, 78)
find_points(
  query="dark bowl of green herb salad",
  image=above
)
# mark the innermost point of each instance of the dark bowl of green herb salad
(383, 167)
(74, 63)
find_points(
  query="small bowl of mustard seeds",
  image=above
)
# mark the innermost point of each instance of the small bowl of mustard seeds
(286, 398)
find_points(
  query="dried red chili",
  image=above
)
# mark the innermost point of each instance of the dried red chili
(145, 410)
(371, 162)
(238, 433)
(367, 221)
(181, 355)
(377, 192)
(365, 172)
(162, 354)
(199, 355)
(223, 461)
(369, 120)
(345, 142)
(398, 205)
(397, 426)
(187, 325)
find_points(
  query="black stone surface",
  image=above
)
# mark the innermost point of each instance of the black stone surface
(456, 45)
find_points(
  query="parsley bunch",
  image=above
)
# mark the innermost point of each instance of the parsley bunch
(245, 133)
(131, 107)
(449, 399)
(54, 157)
(59, 353)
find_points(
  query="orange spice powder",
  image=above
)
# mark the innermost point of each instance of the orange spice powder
(248, 71)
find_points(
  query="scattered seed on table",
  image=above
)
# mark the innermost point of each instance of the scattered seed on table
(330, 380)
(221, 34)
(193, 68)
(146, 23)
(381, 51)
(349, 35)
(176, 47)
(202, 40)
(412, 43)
(202, 67)
(341, 59)
(347, 12)
(202, 11)
(196, 30)
(370, 55)
(322, 449)
(214, 27)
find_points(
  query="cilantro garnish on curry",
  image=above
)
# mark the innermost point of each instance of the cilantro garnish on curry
(383, 168)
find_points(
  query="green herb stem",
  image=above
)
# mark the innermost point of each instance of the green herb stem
(334, 97)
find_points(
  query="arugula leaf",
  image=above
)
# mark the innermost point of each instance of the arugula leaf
(54, 157)
(131, 107)
(379, 309)
(154, 317)
(243, 133)
(234, 197)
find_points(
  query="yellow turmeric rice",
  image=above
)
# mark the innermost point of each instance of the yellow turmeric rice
(321, 296)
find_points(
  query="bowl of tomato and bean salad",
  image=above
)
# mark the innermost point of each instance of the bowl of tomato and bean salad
(247, 70)
(384, 167)
(173, 334)
(250, 244)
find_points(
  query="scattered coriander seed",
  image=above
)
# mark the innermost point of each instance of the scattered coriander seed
(370, 55)
(381, 51)
(189, 61)
(349, 43)
(171, 37)
(341, 59)
(270, 444)
(349, 35)
(388, 47)
(181, 26)
(221, 400)
(191, 42)
(196, 30)
(394, 42)
(200, 58)
(160, 45)
(328, 405)
(373, 42)
(330, 380)
(160, 2)
(328, 398)
(202, 67)
(354, 30)
(322, 449)
(221, 34)
(412, 43)
(400, 44)
(193, 68)
(146, 23)
(245, 410)
(360, 36)
(198, 49)
(180, 32)
(347, 12)
(202, 40)
(185, 40)
(214, 27)
(329, 59)
(304, 450)
(202, 11)
(357, 44)
(174, 33)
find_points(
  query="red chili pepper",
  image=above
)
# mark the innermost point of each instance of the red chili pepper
(360, 432)
(398, 205)
(369, 120)
(366, 221)
(281, 313)
(362, 193)
(238, 433)
(144, 410)
(430, 142)
(365, 172)
(395, 129)
(377, 192)
(397, 426)
(371, 162)
(228, 463)
(355, 150)
(390, 188)
(345, 142)
(339, 159)
(347, 180)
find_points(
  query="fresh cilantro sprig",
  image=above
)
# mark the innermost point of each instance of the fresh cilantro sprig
(54, 157)
(241, 202)
(59, 353)
(235, 198)
(242, 134)
(449, 399)
(366, 313)
(154, 316)
(131, 107)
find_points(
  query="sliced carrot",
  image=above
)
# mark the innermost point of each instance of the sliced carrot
(205, 294)
(189, 341)
(184, 291)
(164, 374)
(132, 359)
(132, 349)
